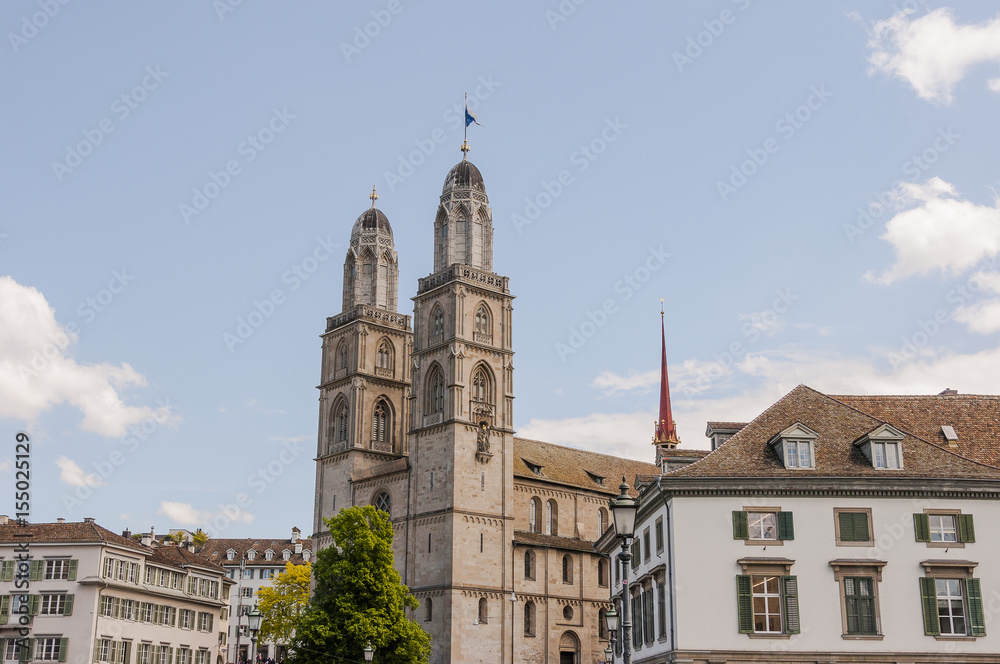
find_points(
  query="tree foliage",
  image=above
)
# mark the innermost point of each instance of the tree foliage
(359, 598)
(283, 603)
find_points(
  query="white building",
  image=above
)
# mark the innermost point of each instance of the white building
(262, 560)
(86, 594)
(828, 529)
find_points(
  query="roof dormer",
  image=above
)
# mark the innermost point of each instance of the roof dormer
(883, 447)
(268, 554)
(251, 554)
(795, 446)
(286, 554)
(230, 554)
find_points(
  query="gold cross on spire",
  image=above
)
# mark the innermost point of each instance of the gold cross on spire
(465, 149)
(373, 196)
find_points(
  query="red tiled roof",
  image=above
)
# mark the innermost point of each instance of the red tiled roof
(178, 556)
(748, 454)
(573, 467)
(215, 551)
(71, 532)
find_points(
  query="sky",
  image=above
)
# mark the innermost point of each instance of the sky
(811, 188)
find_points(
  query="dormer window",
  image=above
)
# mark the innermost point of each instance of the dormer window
(268, 554)
(795, 447)
(306, 553)
(597, 478)
(230, 554)
(286, 554)
(251, 554)
(883, 447)
(533, 467)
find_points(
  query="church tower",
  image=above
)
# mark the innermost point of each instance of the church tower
(461, 435)
(364, 382)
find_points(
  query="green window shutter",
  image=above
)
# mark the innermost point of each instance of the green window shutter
(744, 603)
(4, 609)
(63, 647)
(861, 527)
(966, 531)
(977, 618)
(71, 574)
(786, 530)
(35, 570)
(34, 601)
(127, 655)
(928, 599)
(846, 526)
(741, 529)
(791, 598)
(7, 570)
(68, 606)
(27, 650)
(97, 650)
(922, 529)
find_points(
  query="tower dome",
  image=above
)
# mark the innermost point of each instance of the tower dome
(371, 269)
(464, 175)
(463, 228)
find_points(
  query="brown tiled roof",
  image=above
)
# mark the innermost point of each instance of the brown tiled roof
(747, 454)
(976, 419)
(215, 551)
(552, 541)
(570, 466)
(686, 454)
(178, 556)
(73, 531)
(726, 426)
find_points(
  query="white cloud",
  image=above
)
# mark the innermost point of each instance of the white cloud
(72, 474)
(942, 233)
(186, 514)
(982, 317)
(765, 322)
(37, 373)
(932, 52)
(257, 407)
(611, 383)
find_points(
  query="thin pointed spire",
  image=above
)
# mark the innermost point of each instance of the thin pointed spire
(665, 432)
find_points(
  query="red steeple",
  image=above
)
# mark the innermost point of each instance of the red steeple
(665, 432)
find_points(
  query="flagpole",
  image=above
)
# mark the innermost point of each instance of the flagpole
(465, 120)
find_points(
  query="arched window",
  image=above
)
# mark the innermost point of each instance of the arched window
(435, 388)
(437, 321)
(428, 609)
(484, 611)
(481, 388)
(251, 554)
(483, 324)
(567, 564)
(529, 564)
(602, 521)
(551, 518)
(602, 572)
(342, 355)
(602, 625)
(269, 554)
(383, 360)
(383, 502)
(535, 515)
(381, 422)
(529, 618)
(339, 422)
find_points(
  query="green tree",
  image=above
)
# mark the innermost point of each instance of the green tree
(283, 603)
(359, 598)
(200, 537)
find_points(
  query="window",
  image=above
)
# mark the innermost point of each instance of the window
(268, 555)
(529, 618)
(767, 597)
(205, 622)
(798, 454)
(64, 569)
(529, 564)
(248, 573)
(246, 593)
(567, 612)
(645, 543)
(383, 359)
(551, 518)
(944, 528)
(383, 502)
(183, 656)
(567, 569)
(380, 422)
(647, 613)
(661, 608)
(144, 654)
(437, 321)
(187, 619)
(602, 520)
(481, 391)
(286, 554)
(883, 447)
(763, 525)
(859, 604)
(428, 609)
(794, 446)
(534, 516)
(885, 455)
(306, 555)
(637, 620)
(230, 554)
(268, 573)
(50, 649)
(952, 599)
(57, 605)
(251, 554)
(202, 657)
(659, 534)
(342, 355)
(602, 625)
(483, 325)
(436, 383)
(602, 572)
(853, 527)
(484, 616)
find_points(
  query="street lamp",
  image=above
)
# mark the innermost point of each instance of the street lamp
(623, 509)
(609, 654)
(369, 652)
(253, 622)
(613, 620)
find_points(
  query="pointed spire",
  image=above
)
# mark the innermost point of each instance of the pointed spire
(373, 196)
(665, 432)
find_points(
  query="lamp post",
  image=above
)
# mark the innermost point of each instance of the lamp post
(609, 655)
(613, 620)
(253, 622)
(369, 652)
(623, 509)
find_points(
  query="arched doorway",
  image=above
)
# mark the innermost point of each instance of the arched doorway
(569, 649)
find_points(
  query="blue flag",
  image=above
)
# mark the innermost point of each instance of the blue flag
(470, 117)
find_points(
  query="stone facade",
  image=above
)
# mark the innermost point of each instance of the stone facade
(494, 534)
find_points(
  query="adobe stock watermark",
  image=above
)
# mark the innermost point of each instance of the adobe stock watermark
(223, 7)
(914, 167)
(714, 28)
(261, 310)
(121, 107)
(87, 310)
(750, 332)
(625, 288)
(786, 127)
(363, 35)
(562, 12)
(30, 25)
(454, 117)
(249, 148)
(582, 158)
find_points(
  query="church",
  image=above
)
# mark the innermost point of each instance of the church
(494, 534)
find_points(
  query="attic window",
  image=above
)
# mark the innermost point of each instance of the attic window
(230, 554)
(533, 467)
(949, 434)
(268, 554)
(597, 478)
(286, 554)
(883, 447)
(306, 554)
(795, 447)
(251, 554)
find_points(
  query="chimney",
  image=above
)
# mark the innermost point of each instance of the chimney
(147, 539)
(60, 520)
(295, 535)
(127, 534)
(4, 519)
(948, 392)
(190, 546)
(86, 519)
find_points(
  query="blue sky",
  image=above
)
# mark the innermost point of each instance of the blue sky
(810, 187)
